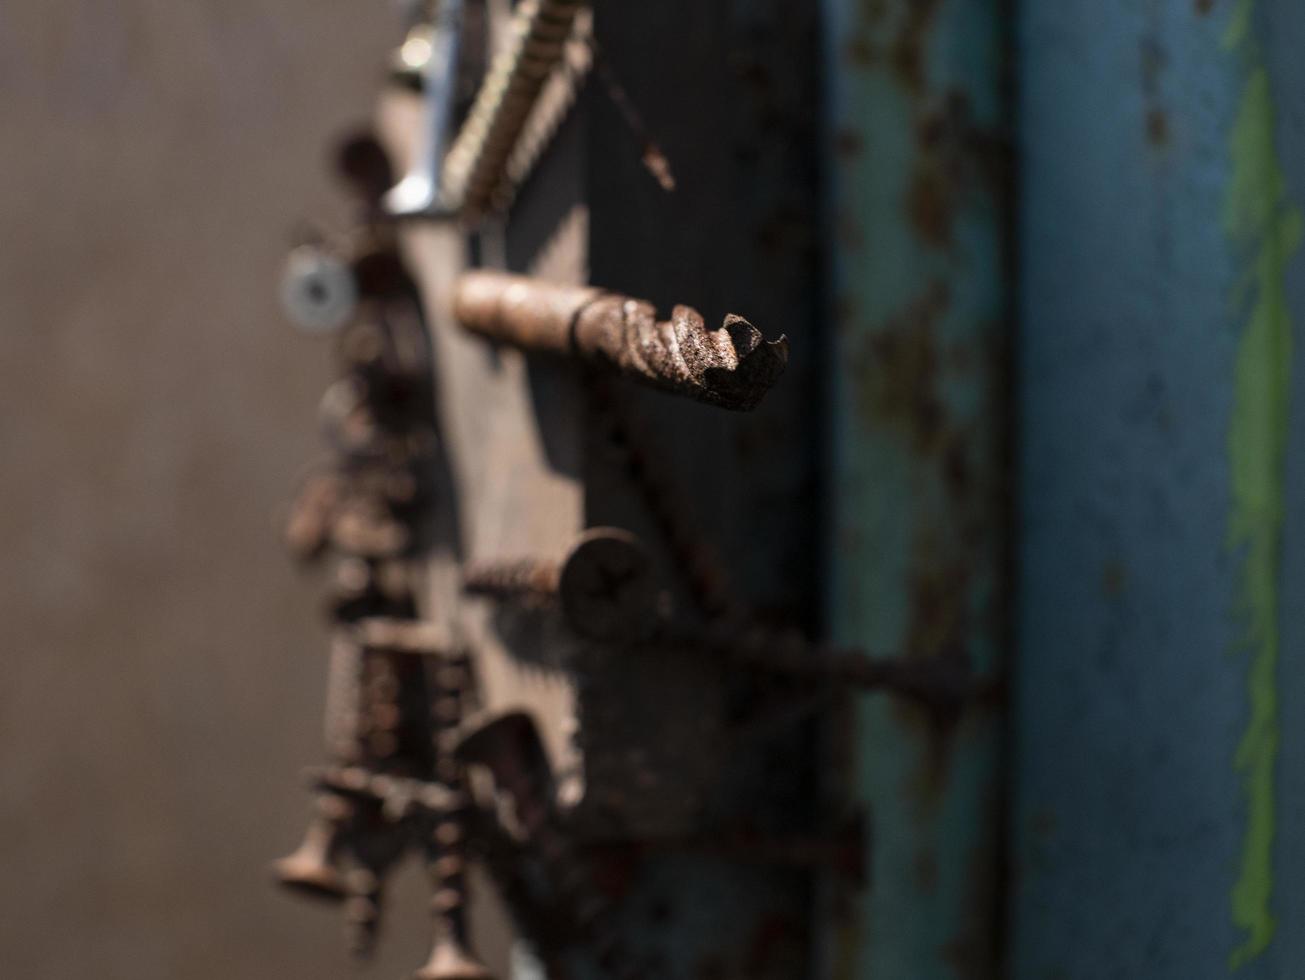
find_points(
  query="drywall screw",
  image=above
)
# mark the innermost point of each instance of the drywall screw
(731, 367)
(446, 844)
(477, 162)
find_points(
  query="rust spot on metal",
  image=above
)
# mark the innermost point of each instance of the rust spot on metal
(929, 205)
(860, 52)
(849, 143)
(1112, 579)
(908, 366)
(1203, 7)
(901, 370)
(926, 871)
(957, 159)
(907, 54)
(1157, 127)
(938, 614)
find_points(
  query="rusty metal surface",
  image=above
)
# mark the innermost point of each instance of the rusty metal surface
(918, 214)
(731, 367)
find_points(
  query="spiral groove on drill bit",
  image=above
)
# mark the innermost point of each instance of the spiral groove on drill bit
(730, 367)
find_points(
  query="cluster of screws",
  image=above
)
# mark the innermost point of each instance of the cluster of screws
(536, 863)
(399, 690)
(396, 688)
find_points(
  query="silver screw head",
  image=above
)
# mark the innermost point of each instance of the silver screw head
(318, 292)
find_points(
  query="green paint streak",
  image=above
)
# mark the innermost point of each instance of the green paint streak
(1263, 224)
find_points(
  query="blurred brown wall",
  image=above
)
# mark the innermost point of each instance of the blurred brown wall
(162, 660)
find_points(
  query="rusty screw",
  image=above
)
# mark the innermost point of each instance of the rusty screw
(605, 585)
(732, 367)
(476, 164)
(446, 846)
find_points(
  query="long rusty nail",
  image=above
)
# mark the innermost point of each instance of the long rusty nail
(941, 682)
(731, 367)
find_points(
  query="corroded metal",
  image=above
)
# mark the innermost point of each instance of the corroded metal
(920, 223)
(608, 593)
(447, 842)
(605, 585)
(731, 367)
(476, 164)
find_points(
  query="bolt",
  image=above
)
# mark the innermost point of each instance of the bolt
(732, 367)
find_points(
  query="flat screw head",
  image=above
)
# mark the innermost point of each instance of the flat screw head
(607, 588)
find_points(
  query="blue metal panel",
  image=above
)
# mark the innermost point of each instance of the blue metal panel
(1158, 275)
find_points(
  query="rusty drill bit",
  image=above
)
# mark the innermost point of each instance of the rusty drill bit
(732, 367)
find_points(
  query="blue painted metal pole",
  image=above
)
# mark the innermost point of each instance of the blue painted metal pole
(1161, 480)
(920, 239)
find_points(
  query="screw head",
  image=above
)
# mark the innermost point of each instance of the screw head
(607, 587)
